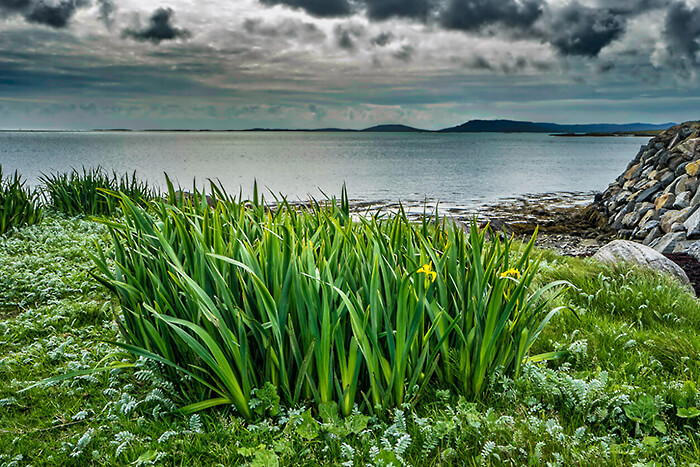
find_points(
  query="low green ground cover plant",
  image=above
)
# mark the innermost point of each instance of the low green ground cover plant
(91, 191)
(626, 393)
(19, 206)
(322, 308)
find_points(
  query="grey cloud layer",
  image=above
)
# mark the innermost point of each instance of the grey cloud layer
(384, 9)
(682, 33)
(321, 8)
(56, 15)
(472, 15)
(572, 28)
(159, 28)
(106, 11)
(374, 53)
(580, 30)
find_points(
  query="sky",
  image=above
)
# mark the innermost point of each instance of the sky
(84, 64)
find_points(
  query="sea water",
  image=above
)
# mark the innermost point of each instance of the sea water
(468, 169)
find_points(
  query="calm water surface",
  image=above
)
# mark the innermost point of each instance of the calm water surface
(463, 169)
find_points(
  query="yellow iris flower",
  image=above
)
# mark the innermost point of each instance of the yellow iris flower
(427, 269)
(512, 272)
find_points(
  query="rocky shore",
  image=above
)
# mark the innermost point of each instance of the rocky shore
(656, 200)
(566, 222)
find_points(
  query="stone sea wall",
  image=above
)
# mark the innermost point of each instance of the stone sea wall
(656, 201)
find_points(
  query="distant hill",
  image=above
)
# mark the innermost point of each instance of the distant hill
(393, 129)
(514, 126)
(315, 130)
(374, 129)
(482, 126)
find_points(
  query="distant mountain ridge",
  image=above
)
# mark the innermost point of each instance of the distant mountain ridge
(479, 126)
(504, 126)
(515, 126)
(393, 128)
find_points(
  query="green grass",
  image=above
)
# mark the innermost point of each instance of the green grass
(90, 192)
(327, 310)
(19, 205)
(633, 335)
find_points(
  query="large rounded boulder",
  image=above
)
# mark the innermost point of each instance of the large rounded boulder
(623, 251)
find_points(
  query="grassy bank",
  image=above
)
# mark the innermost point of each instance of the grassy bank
(626, 393)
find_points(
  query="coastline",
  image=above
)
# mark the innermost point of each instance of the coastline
(620, 134)
(565, 221)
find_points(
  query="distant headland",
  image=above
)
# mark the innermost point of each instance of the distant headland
(490, 126)
(472, 126)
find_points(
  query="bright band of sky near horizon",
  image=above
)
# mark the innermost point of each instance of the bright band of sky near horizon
(81, 64)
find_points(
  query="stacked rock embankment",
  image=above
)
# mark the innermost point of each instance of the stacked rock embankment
(656, 201)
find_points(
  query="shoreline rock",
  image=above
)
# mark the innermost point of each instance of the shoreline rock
(566, 222)
(656, 200)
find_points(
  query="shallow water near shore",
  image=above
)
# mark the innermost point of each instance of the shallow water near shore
(462, 171)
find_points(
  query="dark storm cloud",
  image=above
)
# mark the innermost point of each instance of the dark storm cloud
(383, 39)
(573, 29)
(16, 6)
(580, 30)
(384, 9)
(473, 15)
(160, 28)
(106, 11)
(682, 35)
(347, 34)
(289, 28)
(345, 40)
(375, 9)
(322, 8)
(55, 15)
(633, 7)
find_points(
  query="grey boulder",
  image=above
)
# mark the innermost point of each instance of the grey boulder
(623, 251)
